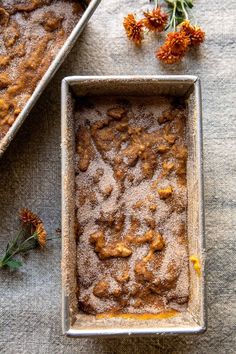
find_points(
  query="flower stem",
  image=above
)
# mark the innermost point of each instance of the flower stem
(10, 253)
(174, 16)
(156, 2)
(3, 262)
(172, 22)
(28, 239)
(184, 10)
(10, 249)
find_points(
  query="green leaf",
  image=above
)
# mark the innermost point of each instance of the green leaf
(170, 2)
(189, 3)
(179, 7)
(179, 19)
(14, 264)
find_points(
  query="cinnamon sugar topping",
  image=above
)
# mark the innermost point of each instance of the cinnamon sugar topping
(131, 200)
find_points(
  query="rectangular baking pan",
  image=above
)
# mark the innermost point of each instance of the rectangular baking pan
(194, 320)
(60, 57)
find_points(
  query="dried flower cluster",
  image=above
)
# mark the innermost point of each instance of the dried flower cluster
(154, 21)
(179, 41)
(31, 235)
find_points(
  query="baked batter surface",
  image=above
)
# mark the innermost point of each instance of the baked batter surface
(131, 199)
(31, 34)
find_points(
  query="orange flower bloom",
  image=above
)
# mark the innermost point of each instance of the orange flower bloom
(41, 235)
(165, 55)
(155, 20)
(195, 33)
(133, 28)
(174, 48)
(28, 217)
(177, 42)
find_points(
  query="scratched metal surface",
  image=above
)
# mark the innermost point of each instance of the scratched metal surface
(30, 317)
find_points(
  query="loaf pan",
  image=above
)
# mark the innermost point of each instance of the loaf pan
(60, 57)
(77, 324)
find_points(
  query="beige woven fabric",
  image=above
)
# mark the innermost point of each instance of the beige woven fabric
(30, 314)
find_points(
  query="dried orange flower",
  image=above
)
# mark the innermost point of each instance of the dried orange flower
(31, 235)
(28, 217)
(155, 20)
(174, 48)
(133, 28)
(177, 42)
(195, 33)
(41, 235)
(165, 55)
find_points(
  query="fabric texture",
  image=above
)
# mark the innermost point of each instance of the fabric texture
(30, 303)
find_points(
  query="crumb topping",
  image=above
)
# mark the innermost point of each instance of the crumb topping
(31, 34)
(131, 199)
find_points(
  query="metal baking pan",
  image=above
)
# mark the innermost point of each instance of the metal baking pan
(60, 57)
(76, 324)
